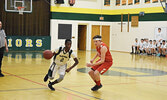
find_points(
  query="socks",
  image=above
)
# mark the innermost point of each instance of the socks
(95, 81)
(54, 82)
(98, 83)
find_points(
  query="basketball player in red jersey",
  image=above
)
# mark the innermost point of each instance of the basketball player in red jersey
(101, 65)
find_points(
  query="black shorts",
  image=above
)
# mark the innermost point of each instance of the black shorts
(2, 50)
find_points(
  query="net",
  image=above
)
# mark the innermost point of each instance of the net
(20, 9)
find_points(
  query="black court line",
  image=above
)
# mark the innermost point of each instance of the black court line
(82, 93)
(23, 89)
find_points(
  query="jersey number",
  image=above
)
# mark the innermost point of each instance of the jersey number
(62, 59)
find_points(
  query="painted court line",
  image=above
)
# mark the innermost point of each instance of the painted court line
(26, 79)
(26, 74)
(147, 82)
(84, 85)
(103, 84)
(44, 85)
(82, 93)
(23, 89)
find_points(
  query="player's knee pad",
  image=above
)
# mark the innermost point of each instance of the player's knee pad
(61, 77)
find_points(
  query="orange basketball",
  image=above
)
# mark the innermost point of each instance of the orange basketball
(47, 54)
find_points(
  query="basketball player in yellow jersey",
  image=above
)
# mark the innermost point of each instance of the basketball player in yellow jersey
(61, 57)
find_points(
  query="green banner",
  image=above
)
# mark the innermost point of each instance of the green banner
(28, 43)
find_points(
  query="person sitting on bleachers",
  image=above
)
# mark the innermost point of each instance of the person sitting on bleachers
(135, 47)
(149, 48)
(141, 46)
(154, 48)
(163, 49)
(145, 45)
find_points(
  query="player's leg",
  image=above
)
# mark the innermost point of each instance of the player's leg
(154, 51)
(136, 51)
(51, 75)
(163, 51)
(50, 85)
(51, 72)
(1, 57)
(151, 50)
(100, 70)
(159, 51)
(91, 73)
(146, 49)
(95, 75)
(132, 49)
(61, 71)
(141, 50)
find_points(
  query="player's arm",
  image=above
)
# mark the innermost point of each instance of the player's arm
(102, 59)
(55, 51)
(6, 45)
(76, 63)
(91, 61)
(103, 54)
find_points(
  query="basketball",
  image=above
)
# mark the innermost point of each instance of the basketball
(47, 54)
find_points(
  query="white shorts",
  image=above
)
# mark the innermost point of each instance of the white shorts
(154, 46)
(61, 69)
(163, 47)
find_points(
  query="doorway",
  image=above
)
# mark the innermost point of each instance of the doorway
(82, 29)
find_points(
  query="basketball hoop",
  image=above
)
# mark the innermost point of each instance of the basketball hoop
(20, 9)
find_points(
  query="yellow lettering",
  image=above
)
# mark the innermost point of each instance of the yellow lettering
(9, 42)
(29, 43)
(18, 43)
(39, 43)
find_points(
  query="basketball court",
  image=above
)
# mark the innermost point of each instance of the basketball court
(132, 77)
(33, 26)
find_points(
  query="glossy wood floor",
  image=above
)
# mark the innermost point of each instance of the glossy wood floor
(132, 77)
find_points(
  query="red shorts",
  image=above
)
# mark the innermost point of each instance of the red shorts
(102, 68)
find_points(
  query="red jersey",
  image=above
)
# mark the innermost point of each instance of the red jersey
(108, 57)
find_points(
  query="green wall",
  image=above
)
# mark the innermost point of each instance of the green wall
(28, 43)
(108, 18)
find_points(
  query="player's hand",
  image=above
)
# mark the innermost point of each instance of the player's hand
(91, 61)
(68, 70)
(160, 40)
(89, 64)
(7, 50)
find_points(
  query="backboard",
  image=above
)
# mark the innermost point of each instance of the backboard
(12, 5)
